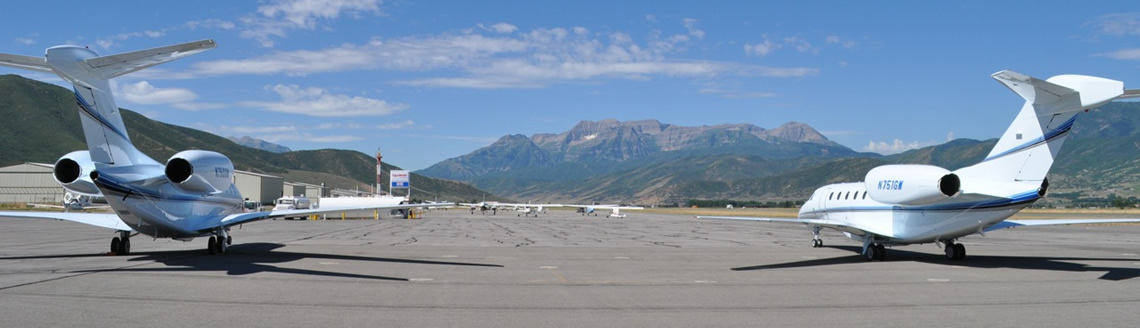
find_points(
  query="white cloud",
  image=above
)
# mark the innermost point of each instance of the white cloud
(1124, 54)
(834, 39)
(319, 102)
(519, 60)
(888, 148)
(735, 94)
(333, 139)
(799, 44)
(29, 40)
(761, 49)
(211, 23)
(501, 28)
(279, 16)
(198, 106)
(1118, 24)
(108, 42)
(898, 146)
(691, 25)
(144, 93)
(407, 124)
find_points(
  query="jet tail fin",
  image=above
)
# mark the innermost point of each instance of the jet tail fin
(1027, 149)
(112, 66)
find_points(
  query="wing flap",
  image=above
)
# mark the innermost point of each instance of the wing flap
(102, 220)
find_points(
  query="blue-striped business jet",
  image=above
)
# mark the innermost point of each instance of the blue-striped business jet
(191, 195)
(916, 204)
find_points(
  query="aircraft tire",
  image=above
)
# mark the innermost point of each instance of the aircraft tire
(115, 245)
(210, 245)
(221, 247)
(125, 246)
(959, 251)
(951, 251)
(881, 252)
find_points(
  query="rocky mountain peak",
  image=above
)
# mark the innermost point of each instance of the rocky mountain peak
(798, 132)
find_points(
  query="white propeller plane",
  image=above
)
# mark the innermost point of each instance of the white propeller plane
(191, 195)
(615, 210)
(529, 209)
(916, 204)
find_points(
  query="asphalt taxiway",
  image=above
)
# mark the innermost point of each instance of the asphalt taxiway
(453, 269)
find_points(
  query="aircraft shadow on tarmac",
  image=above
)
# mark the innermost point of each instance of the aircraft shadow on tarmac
(246, 259)
(972, 261)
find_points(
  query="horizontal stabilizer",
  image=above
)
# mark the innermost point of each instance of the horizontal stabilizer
(116, 65)
(1130, 93)
(1032, 89)
(25, 62)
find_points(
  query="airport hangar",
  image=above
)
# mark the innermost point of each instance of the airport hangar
(33, 183)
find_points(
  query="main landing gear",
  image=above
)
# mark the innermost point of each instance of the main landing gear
(876, 252)
(219, 242)
(121, 245)
(955, 251)
(816, 242)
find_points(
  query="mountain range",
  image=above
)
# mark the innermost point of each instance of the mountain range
(41, 124)
(255, 143)
(649, 162)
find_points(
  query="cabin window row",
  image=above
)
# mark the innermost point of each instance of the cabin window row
(846, 195)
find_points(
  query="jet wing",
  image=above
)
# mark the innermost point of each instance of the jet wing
(241, 218)
(1029, 223)
(102, 220)
(837, 225)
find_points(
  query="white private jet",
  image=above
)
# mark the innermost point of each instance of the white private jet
(916, 204)
(191, 195)
(615, 210)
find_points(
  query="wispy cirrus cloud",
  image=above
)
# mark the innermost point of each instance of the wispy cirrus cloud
(1119, 24)
(319, 102)
(275, 19)
(498, 56)
(144, 93)
(405, 125)
(1124, 54)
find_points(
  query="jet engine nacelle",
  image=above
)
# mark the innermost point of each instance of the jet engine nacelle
(73, 172)
(911, 184)
(200, 171)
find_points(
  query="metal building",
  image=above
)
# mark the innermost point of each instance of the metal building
(257, 187)
(29, 183)
(310, 191)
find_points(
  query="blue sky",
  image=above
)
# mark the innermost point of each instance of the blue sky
(426, 81)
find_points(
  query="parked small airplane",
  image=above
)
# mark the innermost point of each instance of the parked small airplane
(529, 209)
(615, 210)
(73, 202)
(483, 206)
(916, 204)
(191, 195)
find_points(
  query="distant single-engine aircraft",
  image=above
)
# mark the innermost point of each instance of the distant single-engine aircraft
(615, 210)
(191, 195)
(915, 204)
